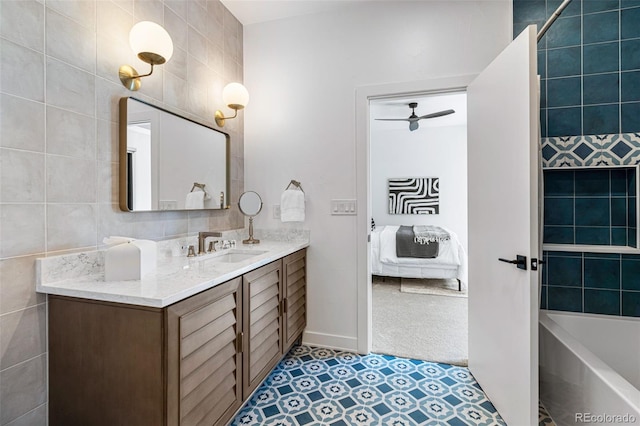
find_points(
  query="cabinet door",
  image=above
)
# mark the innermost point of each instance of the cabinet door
(204, 359)
(262, 290)
(105, 364)
(295, 297)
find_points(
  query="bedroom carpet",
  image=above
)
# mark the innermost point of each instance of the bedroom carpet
(420, 326)
(432, 286)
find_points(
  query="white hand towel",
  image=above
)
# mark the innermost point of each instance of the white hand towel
(292, 206)
(195, 200)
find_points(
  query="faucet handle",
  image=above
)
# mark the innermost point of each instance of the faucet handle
(212, 246)
(192, 252)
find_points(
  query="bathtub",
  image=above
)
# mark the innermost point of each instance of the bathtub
(590, 368)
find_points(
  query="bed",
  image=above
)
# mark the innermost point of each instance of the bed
(451, 262)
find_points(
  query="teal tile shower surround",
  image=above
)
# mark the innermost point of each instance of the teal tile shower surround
(589, 64)
(597, 283)
(590, 206)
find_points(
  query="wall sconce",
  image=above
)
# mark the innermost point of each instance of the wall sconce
(152, 44)
(236, 97)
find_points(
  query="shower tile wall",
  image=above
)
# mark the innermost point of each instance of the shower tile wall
(592, 207)
(597, 283)
(59, 92)
(589, 63)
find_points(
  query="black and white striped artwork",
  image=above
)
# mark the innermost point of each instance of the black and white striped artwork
(414, 195)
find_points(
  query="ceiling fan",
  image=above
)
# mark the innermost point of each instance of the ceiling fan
(413, 118)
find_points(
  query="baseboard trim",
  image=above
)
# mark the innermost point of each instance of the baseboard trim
(330, 341)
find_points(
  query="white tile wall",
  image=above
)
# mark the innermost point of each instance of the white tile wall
(59, 93)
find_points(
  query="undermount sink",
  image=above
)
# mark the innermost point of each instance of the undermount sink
(235, 256)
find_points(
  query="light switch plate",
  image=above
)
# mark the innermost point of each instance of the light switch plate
(343, 207)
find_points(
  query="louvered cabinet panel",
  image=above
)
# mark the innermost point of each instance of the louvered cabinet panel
(262, 292)
(295, 297)
(205, 382)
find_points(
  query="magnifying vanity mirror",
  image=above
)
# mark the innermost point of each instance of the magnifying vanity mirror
(168, 162)
(250, 205)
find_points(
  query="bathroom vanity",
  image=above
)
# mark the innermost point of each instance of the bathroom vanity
(185, 346)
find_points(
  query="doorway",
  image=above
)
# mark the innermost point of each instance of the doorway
(418, 178)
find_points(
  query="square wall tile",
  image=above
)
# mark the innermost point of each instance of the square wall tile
(564, 299)
(629, 23)
(605, 302)
(592, 211)
(603, 57)
(619, 182)
(564, 92)
(559, 182)
(630, 274)
(630, 85)
(601, 89)
(559, 234)
(602, 273)
(564, 62)
(631, 304)
(592, 182)
(564, 271)
(591, 235)
(630, 54)
(601, 119)
(601, 27)
(559, 211)
(619, 211)
(564, 121)
(630, 117)
(565, 32)
(619, 236)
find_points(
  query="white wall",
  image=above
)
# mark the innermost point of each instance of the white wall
(427, 152)
(302, 74)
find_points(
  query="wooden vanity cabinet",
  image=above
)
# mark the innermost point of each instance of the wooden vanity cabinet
(192, 363)
(294, 302)
(204, 368)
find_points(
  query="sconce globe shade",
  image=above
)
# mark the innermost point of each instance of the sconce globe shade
(235, 96)
(151, 42)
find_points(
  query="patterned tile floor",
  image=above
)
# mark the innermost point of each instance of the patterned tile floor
(314, 386)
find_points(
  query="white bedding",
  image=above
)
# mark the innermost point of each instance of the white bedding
(450, 263)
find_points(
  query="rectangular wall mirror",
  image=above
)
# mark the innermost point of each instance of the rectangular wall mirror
(168, 162)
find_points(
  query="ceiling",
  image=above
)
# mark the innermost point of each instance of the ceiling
(255, 11)
(399, 108)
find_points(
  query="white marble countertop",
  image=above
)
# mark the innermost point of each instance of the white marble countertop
(176, 278)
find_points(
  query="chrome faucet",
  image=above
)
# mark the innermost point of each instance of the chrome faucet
(202, 238)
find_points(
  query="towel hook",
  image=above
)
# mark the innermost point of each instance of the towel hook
(296, 184)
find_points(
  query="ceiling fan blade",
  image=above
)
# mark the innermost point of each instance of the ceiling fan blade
(413, 125)
(393, 119)
(438, 114)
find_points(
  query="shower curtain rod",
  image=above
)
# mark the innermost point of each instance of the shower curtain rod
(552, 19)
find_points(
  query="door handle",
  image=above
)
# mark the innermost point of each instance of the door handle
(520, 262)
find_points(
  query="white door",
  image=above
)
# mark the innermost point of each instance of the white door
(503, 222)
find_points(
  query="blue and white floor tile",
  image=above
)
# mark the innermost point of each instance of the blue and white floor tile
(314, 386)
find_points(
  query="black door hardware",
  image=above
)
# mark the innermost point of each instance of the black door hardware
(520, 262)
(535, 262)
